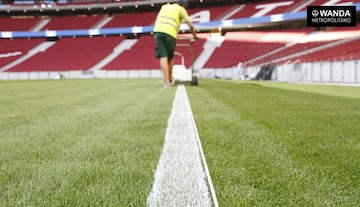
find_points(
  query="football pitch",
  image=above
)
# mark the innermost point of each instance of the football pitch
(98, 142)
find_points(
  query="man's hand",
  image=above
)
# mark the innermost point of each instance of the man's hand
(194, 38)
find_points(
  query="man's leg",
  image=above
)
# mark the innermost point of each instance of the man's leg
(164, 64)
(171, 64)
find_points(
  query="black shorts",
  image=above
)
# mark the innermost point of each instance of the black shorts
(164, 45)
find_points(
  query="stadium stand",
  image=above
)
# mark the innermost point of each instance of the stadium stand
(18, 23)
(73, 22)
(141, 56)
(257, 9)
(320, 41)
(49, 59)
(215, 13)
(246, 45)
(131, 19)
(70, 54)
(252, 47)
(11, 50)
(347, 50)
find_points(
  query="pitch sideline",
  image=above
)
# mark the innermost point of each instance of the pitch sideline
(182, 177)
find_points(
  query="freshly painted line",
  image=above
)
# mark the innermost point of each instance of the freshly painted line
(180, 178)
(206, 168)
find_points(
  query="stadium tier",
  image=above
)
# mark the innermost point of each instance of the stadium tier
(215, 13)
(11, 50)
(18, 23)
(242, 46)
(256, 9)
(69, 54)
(131, 19)
(72, 22)
(141, 56)
(348, 50)
(316, 46)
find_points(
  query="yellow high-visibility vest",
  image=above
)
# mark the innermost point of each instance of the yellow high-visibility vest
(170, 18)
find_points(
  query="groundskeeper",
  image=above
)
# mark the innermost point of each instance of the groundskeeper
(166, 29)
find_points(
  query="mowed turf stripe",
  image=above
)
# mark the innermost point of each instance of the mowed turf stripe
(180, 177)
(80, 142)
(267, 146)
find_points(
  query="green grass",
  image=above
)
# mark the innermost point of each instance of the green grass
(324, 89)
(80, 142)
(268, 146)
(97, 142)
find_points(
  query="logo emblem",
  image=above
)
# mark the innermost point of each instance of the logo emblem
(315, 13)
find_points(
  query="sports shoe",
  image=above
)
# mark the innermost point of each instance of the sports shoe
(165, 85)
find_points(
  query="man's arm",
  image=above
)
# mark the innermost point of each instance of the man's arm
(192, 29)
(185, 17)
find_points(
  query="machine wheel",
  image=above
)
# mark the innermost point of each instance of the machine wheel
(194, 80)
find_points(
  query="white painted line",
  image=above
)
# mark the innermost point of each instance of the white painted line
(180, 178)
(206, 168)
